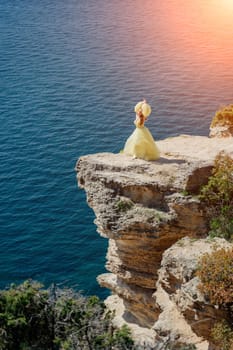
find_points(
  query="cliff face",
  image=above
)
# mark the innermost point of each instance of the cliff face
(185, 314)
(144, 208)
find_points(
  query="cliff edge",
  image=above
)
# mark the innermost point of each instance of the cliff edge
(146, 209)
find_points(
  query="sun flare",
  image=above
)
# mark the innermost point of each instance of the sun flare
(224, 5)
(228, 3)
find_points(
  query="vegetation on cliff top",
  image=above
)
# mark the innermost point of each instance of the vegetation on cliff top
(223, 116)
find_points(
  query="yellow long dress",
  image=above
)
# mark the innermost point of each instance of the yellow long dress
(141, 144)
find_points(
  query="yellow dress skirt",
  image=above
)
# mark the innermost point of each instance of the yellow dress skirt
(141, 144)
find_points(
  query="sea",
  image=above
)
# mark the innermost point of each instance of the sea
(70, 74)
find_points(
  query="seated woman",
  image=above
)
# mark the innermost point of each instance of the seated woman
(141, 144)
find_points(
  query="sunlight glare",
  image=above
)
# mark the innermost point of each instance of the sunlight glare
(227, 3)
(225, 7)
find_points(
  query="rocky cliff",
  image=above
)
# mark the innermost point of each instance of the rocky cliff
(145, 209)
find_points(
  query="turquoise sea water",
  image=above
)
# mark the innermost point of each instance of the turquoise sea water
(70, 74)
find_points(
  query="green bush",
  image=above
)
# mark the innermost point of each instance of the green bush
(124, 205)
(55, 319)
(222, 335)
(87, 324)
(216, 274)
(217, 196)
(123, 337)
(25, 318)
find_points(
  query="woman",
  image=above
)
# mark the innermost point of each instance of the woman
(141, 143)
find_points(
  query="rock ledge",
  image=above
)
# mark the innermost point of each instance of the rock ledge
(144, 209)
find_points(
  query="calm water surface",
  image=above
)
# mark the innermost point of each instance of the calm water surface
(70, 74)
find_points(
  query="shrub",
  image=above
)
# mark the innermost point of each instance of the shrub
(25, 316)
(123, 337)
(87, 324)
(222, 335)
(217, 195)
(33, 318)
(223, 116)
(216, 274)
(124, 205)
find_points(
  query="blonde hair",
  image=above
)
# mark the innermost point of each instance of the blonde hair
(143, 107)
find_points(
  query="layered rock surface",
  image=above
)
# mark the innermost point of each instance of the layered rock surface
(185, 313)
(143, 208)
